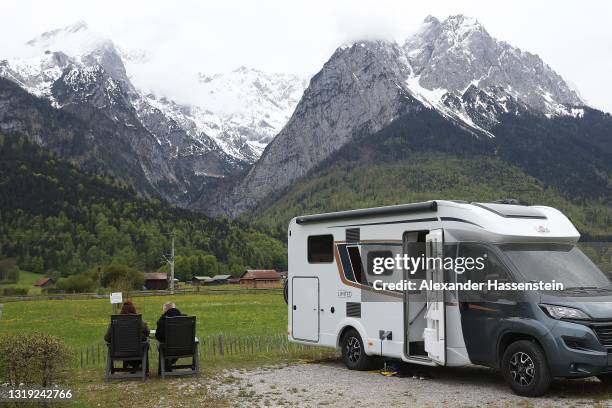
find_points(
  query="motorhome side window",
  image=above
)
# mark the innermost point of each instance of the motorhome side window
(320, 248)
(493, 270)
(375, 263)
(373, 257)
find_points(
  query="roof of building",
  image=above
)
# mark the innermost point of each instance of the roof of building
(267, 274)
(202, 278)
(155, 276)
(221, 277)
(43, 281)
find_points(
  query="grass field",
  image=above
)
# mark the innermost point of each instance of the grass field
(83, 322)
(26, 280)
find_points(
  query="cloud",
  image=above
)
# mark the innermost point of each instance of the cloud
(298, 37)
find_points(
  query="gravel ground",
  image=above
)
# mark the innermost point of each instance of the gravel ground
(331, 384)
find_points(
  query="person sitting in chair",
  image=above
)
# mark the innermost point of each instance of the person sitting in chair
(129, 308)
(169, 310)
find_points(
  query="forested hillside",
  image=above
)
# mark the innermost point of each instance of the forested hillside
(55, 219)
(421, 158)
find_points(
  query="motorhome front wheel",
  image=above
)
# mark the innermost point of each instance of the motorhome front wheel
(353, 351)
(525, 368)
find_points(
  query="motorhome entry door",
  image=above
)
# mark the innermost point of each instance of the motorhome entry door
(434, 334)
(305, 308)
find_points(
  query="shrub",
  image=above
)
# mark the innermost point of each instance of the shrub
(121, 277)
(14, 291)
(9, 271)
(76, 284)
(33, 359)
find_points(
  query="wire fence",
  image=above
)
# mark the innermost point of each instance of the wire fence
(141, 293)
(214, 347)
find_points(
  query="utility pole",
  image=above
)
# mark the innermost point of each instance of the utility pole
(170, 261)
(172, 268)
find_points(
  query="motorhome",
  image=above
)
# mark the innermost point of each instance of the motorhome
(335, 298)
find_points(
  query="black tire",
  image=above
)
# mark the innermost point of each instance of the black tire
(525, 369)
(606, 379)
(353, 352)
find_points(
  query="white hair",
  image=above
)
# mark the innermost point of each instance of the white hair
(168, 305)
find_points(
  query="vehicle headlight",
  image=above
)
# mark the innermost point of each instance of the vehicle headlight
(564, 312)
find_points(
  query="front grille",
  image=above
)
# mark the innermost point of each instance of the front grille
(603, 331)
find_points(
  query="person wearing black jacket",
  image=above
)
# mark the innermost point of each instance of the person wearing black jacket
(129, 308)
(170, 310)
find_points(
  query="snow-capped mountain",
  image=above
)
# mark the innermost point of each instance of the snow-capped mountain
(455, 56)
(47, 56)
(247, 104)
(241, 110)
(77, 70)
(74, 68)
(189, 153)
(453, 67)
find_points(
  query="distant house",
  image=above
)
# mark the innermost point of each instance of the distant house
(156, 280)
(201, 280)
(261, 278)
(221, 279)
(233, 281)
(44, 282)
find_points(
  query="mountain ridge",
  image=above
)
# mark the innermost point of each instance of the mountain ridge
(74, 66)
(366, 85)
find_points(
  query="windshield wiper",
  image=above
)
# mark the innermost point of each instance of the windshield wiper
(588, 288)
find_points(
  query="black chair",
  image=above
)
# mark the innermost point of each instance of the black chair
(127, 345)
(180, 342)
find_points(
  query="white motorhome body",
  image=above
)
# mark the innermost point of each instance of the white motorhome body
(329, 259)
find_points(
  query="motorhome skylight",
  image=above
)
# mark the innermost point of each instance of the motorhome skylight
(512, 211)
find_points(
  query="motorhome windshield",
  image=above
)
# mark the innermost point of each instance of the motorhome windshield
(566, 264)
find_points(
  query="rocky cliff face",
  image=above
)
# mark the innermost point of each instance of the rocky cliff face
(458, 52)
(79, 72)
(358, 91)
(453, 67)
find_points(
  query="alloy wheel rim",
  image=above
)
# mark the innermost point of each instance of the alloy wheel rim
(522, 368)
(353, 349)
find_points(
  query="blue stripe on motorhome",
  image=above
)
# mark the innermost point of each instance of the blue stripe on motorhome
(346, 263)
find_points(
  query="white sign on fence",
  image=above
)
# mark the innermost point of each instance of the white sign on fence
(116, 297)
(1, 306)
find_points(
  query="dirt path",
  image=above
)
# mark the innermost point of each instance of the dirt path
(330, 384)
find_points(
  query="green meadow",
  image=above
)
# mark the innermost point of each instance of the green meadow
(83, 322)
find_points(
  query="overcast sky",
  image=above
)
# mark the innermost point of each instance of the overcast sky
(573, 37)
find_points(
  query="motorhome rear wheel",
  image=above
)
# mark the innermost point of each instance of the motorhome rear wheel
(353, 352)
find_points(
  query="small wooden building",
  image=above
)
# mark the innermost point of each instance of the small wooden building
(156, 280)
(261, 278)
(221, 279)
(44, 282)
(201, 280)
